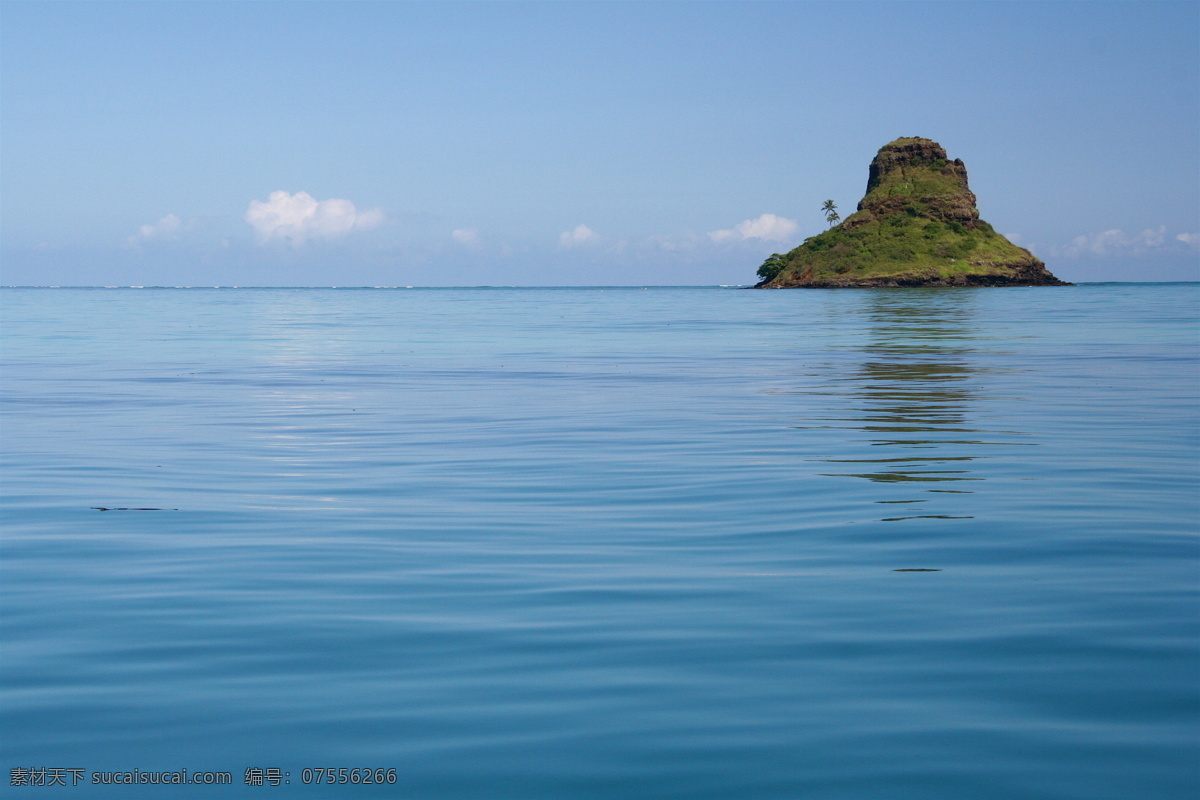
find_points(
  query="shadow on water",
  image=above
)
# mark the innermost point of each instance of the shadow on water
(915, 395)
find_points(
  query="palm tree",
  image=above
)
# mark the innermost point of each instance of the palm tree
(830, 209)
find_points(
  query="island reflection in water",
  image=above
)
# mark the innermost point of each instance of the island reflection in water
(916, 395)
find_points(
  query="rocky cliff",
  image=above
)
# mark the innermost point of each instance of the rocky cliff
(917, 225)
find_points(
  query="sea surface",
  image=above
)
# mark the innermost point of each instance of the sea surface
(550, 544)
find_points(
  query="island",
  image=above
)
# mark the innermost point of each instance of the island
(916, 226)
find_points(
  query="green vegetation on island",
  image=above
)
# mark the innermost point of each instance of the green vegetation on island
(917, 225)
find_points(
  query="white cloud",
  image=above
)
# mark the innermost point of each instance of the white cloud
(1190, 239)
(1096, 243)
(166, 228)
(467, 237)
(1152, 238)
(1116, 241)
(686, 242)
(298, 217)
(767, 227)
(581, 235)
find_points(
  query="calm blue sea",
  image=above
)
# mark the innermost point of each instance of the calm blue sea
(553, 544)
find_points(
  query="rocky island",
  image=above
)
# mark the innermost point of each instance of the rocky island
(916, 226)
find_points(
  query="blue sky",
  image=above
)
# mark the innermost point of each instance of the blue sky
(574, 143)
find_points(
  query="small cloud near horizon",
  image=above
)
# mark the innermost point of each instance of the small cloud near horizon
(767, 227)
(299, 217)
(467, 237)
(581, 235)
(1115, 241)
(166, 228)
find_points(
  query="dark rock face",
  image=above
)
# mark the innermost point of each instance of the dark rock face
(899, 161)
(917, 225)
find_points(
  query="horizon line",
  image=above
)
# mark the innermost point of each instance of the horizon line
(518, 286)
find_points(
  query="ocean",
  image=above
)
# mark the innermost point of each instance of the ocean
(493, 543)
